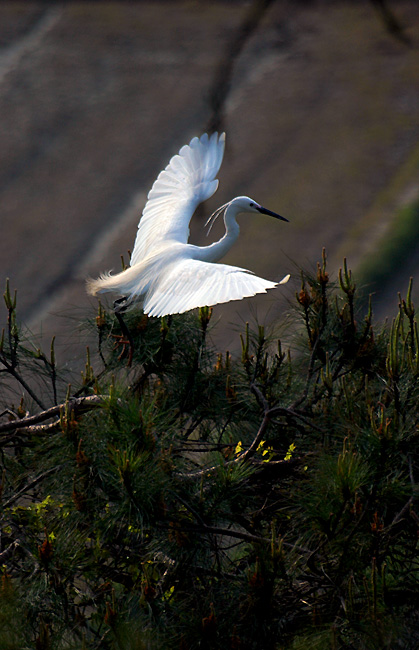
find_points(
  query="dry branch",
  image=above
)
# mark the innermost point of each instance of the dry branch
(76, 405)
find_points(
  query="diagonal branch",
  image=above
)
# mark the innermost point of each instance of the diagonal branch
(30, 485)
(75, 404)
(242, 535)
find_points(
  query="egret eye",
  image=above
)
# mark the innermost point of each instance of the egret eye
(252, 205)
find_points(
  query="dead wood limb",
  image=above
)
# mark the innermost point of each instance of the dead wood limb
(76, 405)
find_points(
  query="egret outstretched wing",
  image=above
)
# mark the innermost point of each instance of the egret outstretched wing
(188, 179)
(191, 283)
(168, 275)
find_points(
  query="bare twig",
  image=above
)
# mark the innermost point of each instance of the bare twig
(238, 534)
(257, 440)
(282, 410)
(402, 512)
(8, 552)
(229, 532)
(260, 397)
(30, 485)
(9, 412)
(14, 373)
(310, 372)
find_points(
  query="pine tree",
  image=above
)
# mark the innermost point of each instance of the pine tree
(196, 500)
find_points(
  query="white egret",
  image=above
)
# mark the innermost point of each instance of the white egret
(166, 273)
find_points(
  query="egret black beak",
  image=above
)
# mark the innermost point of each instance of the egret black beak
(270, 213)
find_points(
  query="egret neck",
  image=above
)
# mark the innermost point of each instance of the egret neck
(218, 249)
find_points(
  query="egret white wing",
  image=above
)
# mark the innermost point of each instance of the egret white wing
(192, 283)
(188, 179)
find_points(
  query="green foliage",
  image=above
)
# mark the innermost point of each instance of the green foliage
(393, 248)
(193, 500)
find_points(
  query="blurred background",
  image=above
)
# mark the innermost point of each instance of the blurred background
(319, 101)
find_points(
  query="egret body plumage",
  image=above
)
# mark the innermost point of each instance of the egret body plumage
(166, 273)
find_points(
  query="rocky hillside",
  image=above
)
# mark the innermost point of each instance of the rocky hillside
(319, 102)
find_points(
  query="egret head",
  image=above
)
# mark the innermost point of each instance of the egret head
(238, 205)
(246, 204)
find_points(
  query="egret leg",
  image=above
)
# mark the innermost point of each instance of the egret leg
(124, 339)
